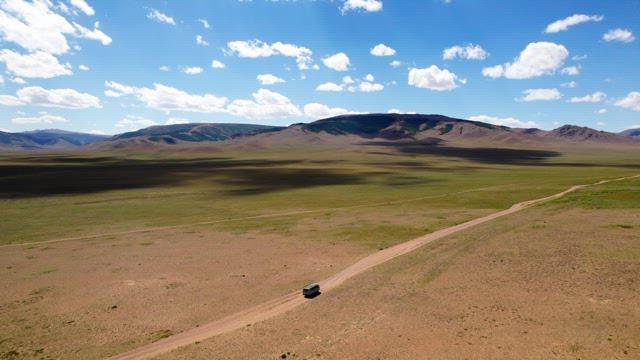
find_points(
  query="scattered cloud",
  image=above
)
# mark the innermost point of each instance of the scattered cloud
(537, 59)
(133, 123)
(265, 105)
(398, 111)
(469, 52)
(395, 63)
(367, 84)
(192, 70)
(591, 98)
(622, 35)
(157, 16)
(268, 79)
(200, 41)
(631, 101)
(329, 86)
(382, 50)
(321, 111)
(205, 23)
(165, 68)
(41, 119)
(337, 62)
(566, 23)
(540, 95)
(166, 98)
(579, 57)
(362, 5)
(17, 80)
(257, 49)
(433, 78)
(508, 121)
(61, 98)
(570, 70)
(83, 67)
(602, 111)
(176, 121)
(570, 84)
(36, 65)
(217, 64)
(83, 6)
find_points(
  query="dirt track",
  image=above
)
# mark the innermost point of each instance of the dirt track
(290, 301)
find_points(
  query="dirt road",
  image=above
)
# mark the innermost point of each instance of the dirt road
(290, 301)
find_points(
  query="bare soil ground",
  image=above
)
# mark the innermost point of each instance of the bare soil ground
(548, 282)
(92, 299)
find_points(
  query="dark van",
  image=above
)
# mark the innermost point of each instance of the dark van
(311, 290)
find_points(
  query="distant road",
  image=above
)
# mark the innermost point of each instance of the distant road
(290, 301)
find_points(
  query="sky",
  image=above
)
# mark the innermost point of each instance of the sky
(113, 66)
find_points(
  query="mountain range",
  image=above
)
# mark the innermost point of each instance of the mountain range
(346, 128)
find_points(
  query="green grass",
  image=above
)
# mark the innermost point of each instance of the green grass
(47, 197)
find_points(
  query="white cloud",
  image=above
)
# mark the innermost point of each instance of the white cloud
(602, 111)
(601, 123)
(370, 78)
(537, 59)
(176, 121)
(591, 98)
(570, 70)
(83, 67)
(631, 101)
(395, 63)
(83, 6)
(37, 65)
(42, 119)
(564, 24)
(365, 5)
(257, 49)
(200, 41)
(35, 26)
(570, 84)
(622, 35)
(166, 98)
(579, 57)
(382, 50)
(508, 121)
(433, 78)
(329, 86)
(97, 132)
(398, 111)
(218, 64)
(205, 23)
(321, 111)
(164, 68)
(337, 62)
(268, 79)
(469, 52)
(61, 98)
(266, 104)
(17, 80)
(366, 86)
(135, 122)
(348, 80)
(156, 15)
(192, 70)
(541, 95)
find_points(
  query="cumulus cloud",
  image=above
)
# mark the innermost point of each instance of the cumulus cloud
(157, 16)
(329, 86)
(132, 122)
(395, 63)
(622, 35)
(217, 64)
(564, 24)
(537, 59)
(268, 79)
(36, 26)
(590, 98)
(540, 95)
(570, 70)
(337, 62)
(166, 98)
(508, 121)
(382, 50)
(200, 41)
(36, 65)
(363, 5)
(265, 105)
(631, 101)
(321, 111)
(192, 70)
(41, 119)
(83, 6)
(366, 86)
(433, 78)
(61, 98)
(257, 49)
(469, 52)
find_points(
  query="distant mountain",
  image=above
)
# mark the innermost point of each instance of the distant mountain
(184, 133)
(633, 133)
(581, 133)
(46, 139)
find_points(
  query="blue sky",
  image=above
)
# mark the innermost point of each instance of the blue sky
(115, 66)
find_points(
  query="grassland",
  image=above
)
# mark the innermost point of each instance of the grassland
(322, 209)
